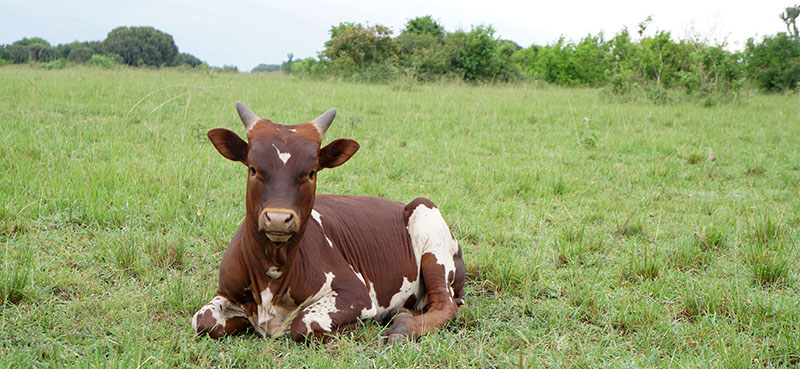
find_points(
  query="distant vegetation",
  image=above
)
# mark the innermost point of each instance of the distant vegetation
(134, 46)
(649, 64)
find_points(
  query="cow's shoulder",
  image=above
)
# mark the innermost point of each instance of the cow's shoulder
(234, 281)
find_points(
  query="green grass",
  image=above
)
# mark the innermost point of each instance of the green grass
(595, 233)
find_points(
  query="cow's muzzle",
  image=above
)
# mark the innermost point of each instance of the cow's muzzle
(278, 224)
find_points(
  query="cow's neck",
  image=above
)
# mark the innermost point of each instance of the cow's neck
(278, 255)
(269, 265)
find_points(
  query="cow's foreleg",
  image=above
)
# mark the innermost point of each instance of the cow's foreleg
(220, 317)
(333, 313)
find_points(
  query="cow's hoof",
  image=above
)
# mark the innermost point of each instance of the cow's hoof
(395, 339)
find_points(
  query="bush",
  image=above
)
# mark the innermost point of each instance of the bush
(479, 55)
(774, 64)
(422, 51)
(80, 54)
(103, 61)
(55, 64)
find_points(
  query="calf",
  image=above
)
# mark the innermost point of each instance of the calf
(312, 265)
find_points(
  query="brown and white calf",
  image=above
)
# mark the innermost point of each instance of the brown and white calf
(334, 259)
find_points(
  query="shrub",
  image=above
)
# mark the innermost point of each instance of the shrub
(80, 54)
(774, 63)
(55, 64)
(354, 47)
(478, 55)
(103, 61)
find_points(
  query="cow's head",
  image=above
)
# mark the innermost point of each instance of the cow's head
(282, 164)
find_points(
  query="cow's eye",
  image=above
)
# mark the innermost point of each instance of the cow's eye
(252, 171)
(312, 174)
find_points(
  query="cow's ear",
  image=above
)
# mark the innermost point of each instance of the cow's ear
(229, 144)
(337, 152)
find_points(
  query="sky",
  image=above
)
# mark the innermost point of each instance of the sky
(246, 33)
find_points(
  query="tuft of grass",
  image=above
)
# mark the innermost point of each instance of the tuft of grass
(769, 262)
(166, 251)
(124, 252)
(574, 246)
(694, 158)
(754, 171)
(15, 275)
(710, 239)
(643, 263)
(688, 255)
(766, 230)
(559, 187)
(631, 229)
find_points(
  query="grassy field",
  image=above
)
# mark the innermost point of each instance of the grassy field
(595, 233)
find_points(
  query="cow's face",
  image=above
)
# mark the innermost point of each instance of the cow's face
(282, 164)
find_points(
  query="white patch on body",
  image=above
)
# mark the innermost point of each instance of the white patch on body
(324, 304)
(430, 235)
(269, 317)
(318, 218)
(284, 156)
(274, 273)
(293, 129)
(221, 309)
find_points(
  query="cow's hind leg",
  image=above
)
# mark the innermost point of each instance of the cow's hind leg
(441, 269)
(441, 306)
(220, 317)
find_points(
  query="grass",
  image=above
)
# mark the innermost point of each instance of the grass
(595, 233)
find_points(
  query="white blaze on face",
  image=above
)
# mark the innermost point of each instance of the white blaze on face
(284, 156)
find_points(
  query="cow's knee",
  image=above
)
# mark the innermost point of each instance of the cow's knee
(220, 317)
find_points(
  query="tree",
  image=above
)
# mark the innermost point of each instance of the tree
(424, 26)
(286, 66)
(774, 64)
(790, 18)
(33, 49)
(422, 50)
(354, 45)
(141, 46)
(479, 55)
(187, 59)
(80, 54)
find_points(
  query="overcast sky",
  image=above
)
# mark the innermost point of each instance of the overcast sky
(246, 33)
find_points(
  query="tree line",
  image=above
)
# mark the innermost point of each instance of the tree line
(652, 63)
(134, 46)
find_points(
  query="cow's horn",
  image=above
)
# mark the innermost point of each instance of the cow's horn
(324, 121)
(248, 117)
